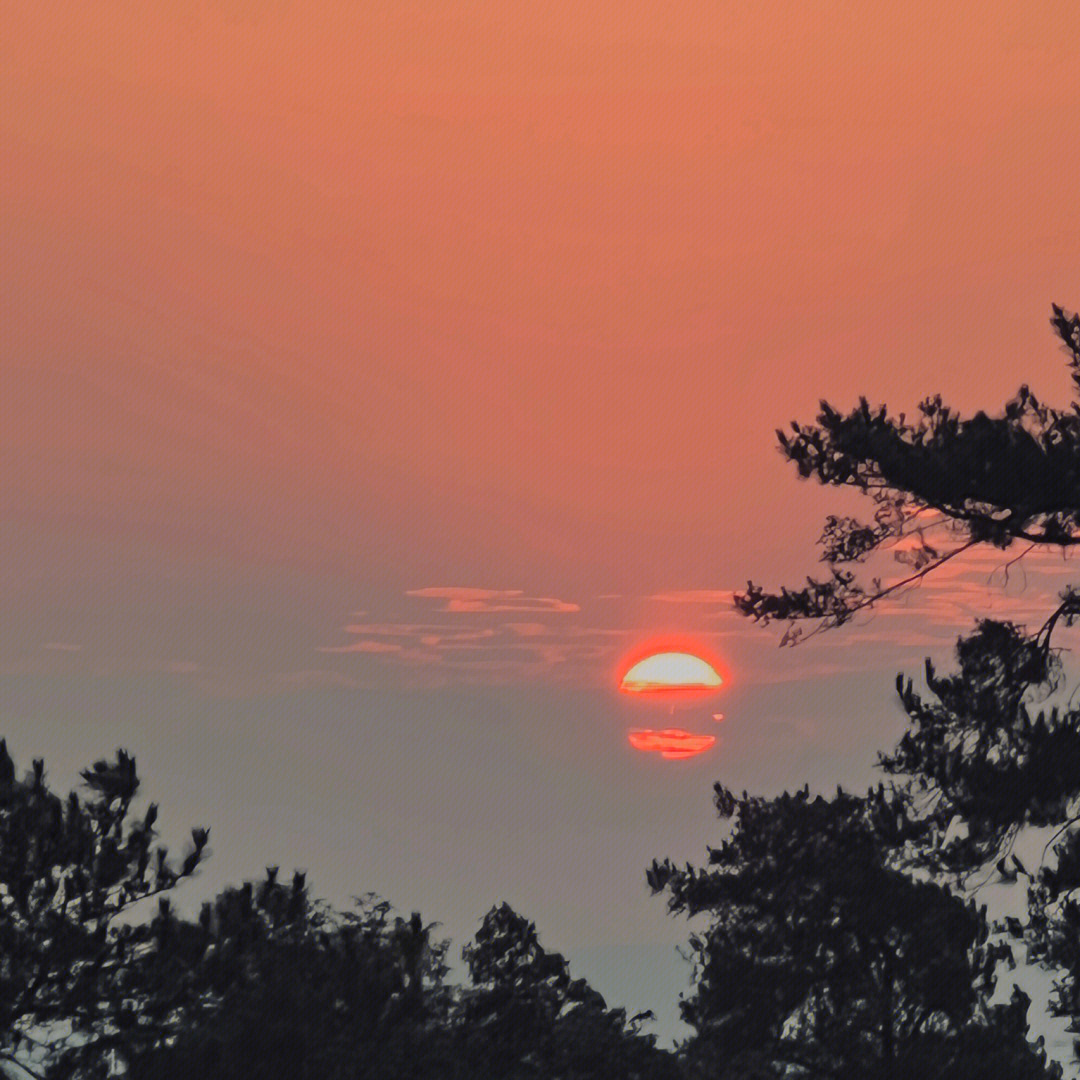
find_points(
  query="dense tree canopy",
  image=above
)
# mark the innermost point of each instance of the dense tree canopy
(70, 873)
(527, 1018)
(268, 984)
(265, 983)
(983, 758)
(980, 752)
(285, 989)
(822, 960)
(982, 480)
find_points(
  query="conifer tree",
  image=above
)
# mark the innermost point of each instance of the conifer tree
(823, 960)
(980, 760)
(71, 872)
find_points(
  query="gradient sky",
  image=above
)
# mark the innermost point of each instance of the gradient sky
(378, 375)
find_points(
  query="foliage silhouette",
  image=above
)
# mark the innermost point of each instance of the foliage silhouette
(70, 873)
(822, 960)
(285, 988)
(980, 767)
(525, 1017)
(265, 982)
(976, 754)
(278, 985)
(981, 759)
(982, 480)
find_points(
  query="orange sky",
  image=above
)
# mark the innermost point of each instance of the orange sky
(349, 341)
(547, 275)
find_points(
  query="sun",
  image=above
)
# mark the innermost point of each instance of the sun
(668, 672)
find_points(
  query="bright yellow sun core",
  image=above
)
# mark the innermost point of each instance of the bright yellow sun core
(670, 671)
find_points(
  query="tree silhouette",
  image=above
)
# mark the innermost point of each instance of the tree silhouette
(981, 759)
(70, 873)
(983, 480)
(979, 763)
(822, 960)
(977, 752)
(270, 984)
(525, 1017)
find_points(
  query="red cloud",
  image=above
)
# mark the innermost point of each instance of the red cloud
(671, 743)
(527, 629)
(694, 596)
(454, 592)
(465, 600)
(366, 646)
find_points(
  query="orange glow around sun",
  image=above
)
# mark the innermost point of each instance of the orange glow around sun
(667, 672)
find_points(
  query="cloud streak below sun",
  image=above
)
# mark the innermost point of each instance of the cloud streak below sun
(671, 743)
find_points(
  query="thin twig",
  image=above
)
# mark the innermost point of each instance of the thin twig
(1014, 559)
(1046, 847)
(911, 580)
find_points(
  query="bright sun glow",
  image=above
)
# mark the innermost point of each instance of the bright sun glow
(668, 671)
